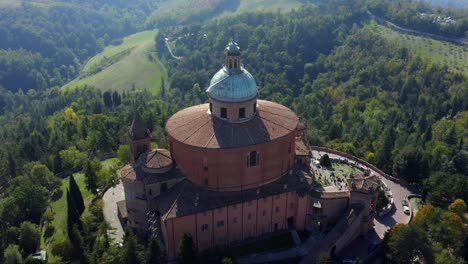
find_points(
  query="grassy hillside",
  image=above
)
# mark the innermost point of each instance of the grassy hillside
(454, 56)
(269, 5)
(130, 64)
(174, 12)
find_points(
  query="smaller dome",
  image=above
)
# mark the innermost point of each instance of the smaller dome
(232, 87)
(156, 161)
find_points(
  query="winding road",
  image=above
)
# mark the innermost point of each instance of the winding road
(389, 24)
(111, 197)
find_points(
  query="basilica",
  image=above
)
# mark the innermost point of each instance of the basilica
(236, 169)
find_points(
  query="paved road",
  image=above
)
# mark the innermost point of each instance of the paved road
(111, 197)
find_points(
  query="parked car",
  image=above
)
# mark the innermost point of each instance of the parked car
(406, 209)
(404, 203)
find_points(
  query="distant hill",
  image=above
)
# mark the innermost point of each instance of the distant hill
(182, 12)
(449, 3)
(132, 64)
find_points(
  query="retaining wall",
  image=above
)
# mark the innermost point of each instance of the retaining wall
(360, 161)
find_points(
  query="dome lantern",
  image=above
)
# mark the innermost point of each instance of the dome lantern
(232, 57)
(233, 90)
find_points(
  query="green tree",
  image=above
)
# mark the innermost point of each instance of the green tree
(443, 188)
(323, 258)
(411, 165)
(227, 261)
(63, 249)
(116, 99)
(132, 251)
(154, 254)
(385, 154)
(32, 198)
(90, 171)
(76, 196)
(29, 238)
(107, 98)
(325, 161)
(11, 165)
(459, 207)
(124, 154)
(408, 244)
(72, 157)
(187, 252)
(12, 255)
(42, 175)
(73, 216)
(382, 199)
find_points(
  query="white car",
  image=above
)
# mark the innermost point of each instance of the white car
(406, 209)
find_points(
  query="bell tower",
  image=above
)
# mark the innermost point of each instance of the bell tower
(140, 138)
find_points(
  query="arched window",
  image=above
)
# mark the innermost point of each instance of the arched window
(253, 159)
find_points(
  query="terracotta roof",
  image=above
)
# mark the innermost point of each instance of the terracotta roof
(195, 126)
(301, 126)
(301, 149)
(138, 129)
(362, 182)
(133, 174)
(156, 159)
(187, 198)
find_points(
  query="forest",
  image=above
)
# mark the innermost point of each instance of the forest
(42, 47)
(356, 91)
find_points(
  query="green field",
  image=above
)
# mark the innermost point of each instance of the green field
(183, 9)
(60, 207)
(453, 55)
(130, 64)
(269, 5)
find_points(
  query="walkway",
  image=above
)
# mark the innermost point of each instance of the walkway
(111, 197)
(166, 40)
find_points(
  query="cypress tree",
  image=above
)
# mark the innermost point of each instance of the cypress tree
(76, 196)
(187, 250)
(91, 177)
(154, 256)
(73, 217)
(132, 251)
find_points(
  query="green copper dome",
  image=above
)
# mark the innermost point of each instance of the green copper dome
(232, 86)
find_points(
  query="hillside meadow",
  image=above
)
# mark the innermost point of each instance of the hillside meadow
(130, 65)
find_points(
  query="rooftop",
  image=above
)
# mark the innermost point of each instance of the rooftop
(195, 126)
(156, 159)
(187, 198)
(301, 149)
(134, 174)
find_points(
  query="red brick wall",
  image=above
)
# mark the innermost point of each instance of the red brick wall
(237, 225)
(226, 169)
